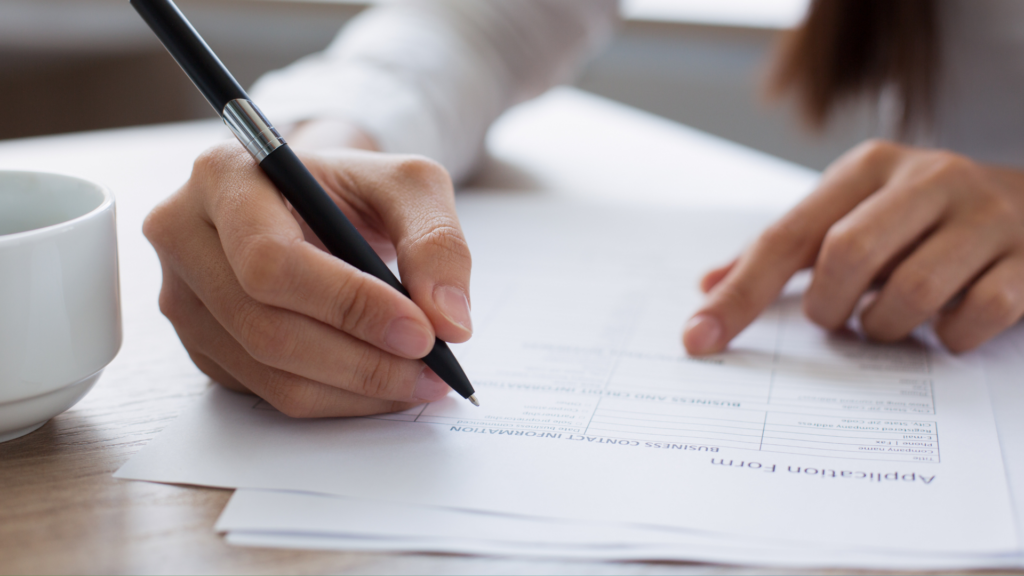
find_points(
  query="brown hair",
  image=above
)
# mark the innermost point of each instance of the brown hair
(849, 48)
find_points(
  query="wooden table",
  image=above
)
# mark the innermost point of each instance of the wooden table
(61, 511)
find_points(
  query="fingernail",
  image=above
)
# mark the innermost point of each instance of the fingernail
(408, 338)
(452, 302)
(701, 334)
(429, 387)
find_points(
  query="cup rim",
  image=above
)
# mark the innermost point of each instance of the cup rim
(106, 204)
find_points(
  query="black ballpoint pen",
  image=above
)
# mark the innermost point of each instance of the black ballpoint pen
(280, 164)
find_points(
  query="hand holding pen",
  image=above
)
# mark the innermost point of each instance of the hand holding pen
(260, 306)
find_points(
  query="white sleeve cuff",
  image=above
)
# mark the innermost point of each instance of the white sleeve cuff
(379, 102)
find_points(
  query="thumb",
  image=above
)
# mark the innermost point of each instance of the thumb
(415, 201)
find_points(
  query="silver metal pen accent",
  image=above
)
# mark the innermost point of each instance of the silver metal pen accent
(251, 128)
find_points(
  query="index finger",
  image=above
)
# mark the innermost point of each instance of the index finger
(787, 246)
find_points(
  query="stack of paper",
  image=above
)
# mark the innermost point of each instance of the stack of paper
(599, 438)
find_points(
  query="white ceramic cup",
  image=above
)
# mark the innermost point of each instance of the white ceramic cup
(60, 305)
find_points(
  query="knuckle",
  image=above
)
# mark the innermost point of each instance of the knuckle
(954, 341)
(844, 247)
(818, 312)
(444, 241)
(1000, 305)
(875, 151)
(996, 213)
(264, 335)
(951, 165)
(205, 365)
(262, 261)
(291, 397)
(945, 170)
(155, 225)
(215, 371)
(1002, 211)
(880, 332)
(398, 406)
(919, 290)
(421, 169)
(163, 222)
(352, 304)
(171, 305)
(376, 375)
(214, 159)
(213, 181)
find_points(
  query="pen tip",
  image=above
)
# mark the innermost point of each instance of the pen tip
(472, 398)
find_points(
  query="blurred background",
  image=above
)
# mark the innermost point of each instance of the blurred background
(71, 65)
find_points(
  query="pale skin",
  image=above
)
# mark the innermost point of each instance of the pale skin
(939, 236)
(261, 307)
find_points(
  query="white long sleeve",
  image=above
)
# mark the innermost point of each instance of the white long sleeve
(429, 77)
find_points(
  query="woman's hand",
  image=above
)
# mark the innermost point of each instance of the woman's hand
(939, 235)
(260, 306)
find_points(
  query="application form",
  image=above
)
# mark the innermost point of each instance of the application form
(304, 520)
(591, 411)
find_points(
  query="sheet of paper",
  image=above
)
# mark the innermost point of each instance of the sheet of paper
(302, 520)
(315, 521)
(592, 412)
(735, 555)
(298, 512)
(1003, 359)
